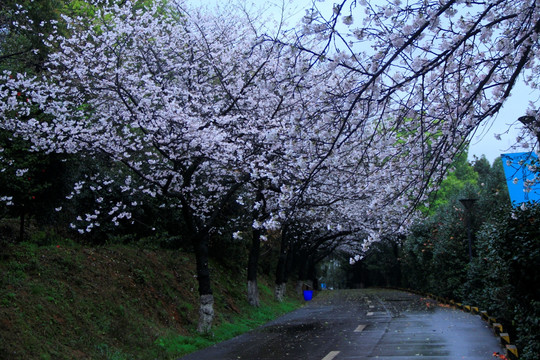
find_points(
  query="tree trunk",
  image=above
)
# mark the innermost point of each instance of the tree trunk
(280, 278)
(199, 237)
(281, 270)
(22, 218)
(396, 273)
(279, 292)
(206, 298)
(313, 281)
(253, 263)
(254, 253)
(302, 263)
(206, 313)
(299, 288)
(253, 293)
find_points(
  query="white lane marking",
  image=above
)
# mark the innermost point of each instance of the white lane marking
(330, 355)
(369, 314)
(360, 328)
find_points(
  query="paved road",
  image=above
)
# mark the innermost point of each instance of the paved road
(364, 324)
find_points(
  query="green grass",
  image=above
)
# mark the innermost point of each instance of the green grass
(249, 319)
(117, 302)
(180, 345)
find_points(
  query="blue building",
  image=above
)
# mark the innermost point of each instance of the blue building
(522, 172)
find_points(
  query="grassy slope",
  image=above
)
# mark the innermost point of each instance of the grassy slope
(74, 302)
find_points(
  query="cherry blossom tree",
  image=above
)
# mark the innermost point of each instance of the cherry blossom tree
(191, 109)
(417, 78)
(349, 200)
(449, 65)
(185, 102)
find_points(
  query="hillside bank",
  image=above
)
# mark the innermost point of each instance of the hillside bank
(118, 302)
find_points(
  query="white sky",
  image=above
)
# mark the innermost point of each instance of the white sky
(483, 142)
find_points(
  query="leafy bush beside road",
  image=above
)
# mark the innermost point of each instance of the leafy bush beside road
(502, 277)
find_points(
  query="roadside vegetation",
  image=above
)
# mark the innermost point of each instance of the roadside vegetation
(64, 300)
(502, 275)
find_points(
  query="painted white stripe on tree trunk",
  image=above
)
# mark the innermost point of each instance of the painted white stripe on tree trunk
(330, 355)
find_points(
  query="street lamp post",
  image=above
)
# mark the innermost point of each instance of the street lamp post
(468, 205)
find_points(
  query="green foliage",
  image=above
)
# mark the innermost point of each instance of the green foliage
(248, 319)
(27, 178)
(502, 277)
(32, 180)
(462, 175)
(22, 48)
(493, 191)
(435, 254)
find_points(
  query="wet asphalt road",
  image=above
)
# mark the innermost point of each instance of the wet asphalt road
(363, 324)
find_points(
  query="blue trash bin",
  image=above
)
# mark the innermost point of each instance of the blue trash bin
(308, 295)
